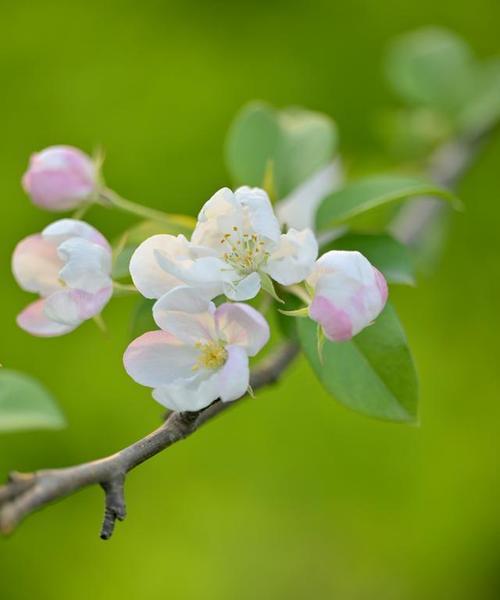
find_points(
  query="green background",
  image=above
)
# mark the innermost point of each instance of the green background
(289, 495)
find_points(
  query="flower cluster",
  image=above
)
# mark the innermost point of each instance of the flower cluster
(206, 333)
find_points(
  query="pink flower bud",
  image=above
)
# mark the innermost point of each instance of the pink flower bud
(60, 178)
(349, 293)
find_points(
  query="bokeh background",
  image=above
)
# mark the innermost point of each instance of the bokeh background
(289, 495)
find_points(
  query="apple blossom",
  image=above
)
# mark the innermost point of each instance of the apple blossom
(236, 243)
(349, 293)
(60, 178)
(200, 353)
(69, 266)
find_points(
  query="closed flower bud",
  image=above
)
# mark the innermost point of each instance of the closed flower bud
(349, 294)
(60, 178)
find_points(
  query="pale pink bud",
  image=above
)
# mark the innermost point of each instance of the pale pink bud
(60, 178)
(349, 294)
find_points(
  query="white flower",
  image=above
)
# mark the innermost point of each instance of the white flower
(349, 293)
(236, 242)
(201, 352)
(69, 266)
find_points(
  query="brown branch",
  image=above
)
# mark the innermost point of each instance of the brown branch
(25, 493)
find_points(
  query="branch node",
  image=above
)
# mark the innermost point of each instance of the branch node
(115, 508)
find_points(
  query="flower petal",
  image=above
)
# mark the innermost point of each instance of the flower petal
(349, 293)
(186, 314)
(157, 358)
(71, 307)
(87, 266)
(243, 326)
(190, 394)
(243, 289)
(219, 215)
(234, 377)
(64, 229)
(293, 259)
(36, 265)
(34, 320)
(259, 211)
(299, 208)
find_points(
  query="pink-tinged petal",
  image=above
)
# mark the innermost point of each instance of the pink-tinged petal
(34, 320)
(243, 326)
(350, 289)
(157, 358)
(87, 266)
(60, 178)
(71, 307)
(234, 376)
(293, 259)
(36, 265)
(335, 321)
(186, 314)
(64, 229)
(382, 286)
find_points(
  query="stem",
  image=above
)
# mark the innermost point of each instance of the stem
(111, 198)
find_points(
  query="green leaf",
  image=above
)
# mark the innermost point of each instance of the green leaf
(26, 404)
(390, 256)
(295, 141)
(268, 286)
(131, 238)
(431, 67)
(372, 192)
(142, 318)
(372, 374)
(482, 109)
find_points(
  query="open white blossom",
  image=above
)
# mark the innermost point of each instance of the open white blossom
(201, 352)
(237, 241)
(69, 266)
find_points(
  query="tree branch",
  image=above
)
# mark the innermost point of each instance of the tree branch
(25, 493)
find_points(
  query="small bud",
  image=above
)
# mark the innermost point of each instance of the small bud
(60, 178)
(348, 294)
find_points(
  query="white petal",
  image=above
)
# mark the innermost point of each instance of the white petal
(36, 265)
(259, 212)
(219, 215)
(158, 358)
(189, 394)
(71, 307)
(207, 271)
(243, 289)
(184, 313)
(64, 229)
(34, 320)
(234, 377)
(242, 325)
(299, 208)
(87, 265)
(293, 259)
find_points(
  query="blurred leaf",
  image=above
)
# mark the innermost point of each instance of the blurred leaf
(294, 141)
(131, 238)
(26, 404)
(142, 318)
(483, 106)
(373, 192)
(431, 66)
(372, 374)
(389, 255)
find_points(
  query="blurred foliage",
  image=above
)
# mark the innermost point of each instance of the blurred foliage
(289, 495)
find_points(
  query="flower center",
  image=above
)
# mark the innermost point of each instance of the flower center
(244, 252)
(212, 355)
